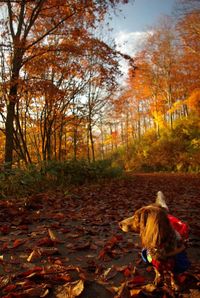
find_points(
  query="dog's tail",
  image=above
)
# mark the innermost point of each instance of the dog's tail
(160, 200)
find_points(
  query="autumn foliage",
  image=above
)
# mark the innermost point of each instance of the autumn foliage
(55, 71)
(61, 98)
(157, 114)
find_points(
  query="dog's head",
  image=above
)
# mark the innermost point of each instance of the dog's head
(133, 223)
(152, 223)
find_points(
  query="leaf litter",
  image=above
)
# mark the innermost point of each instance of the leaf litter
(68, 244)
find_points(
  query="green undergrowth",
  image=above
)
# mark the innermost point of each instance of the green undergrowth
(174, 150)
(53, 175)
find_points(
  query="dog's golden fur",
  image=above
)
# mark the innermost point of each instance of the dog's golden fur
(156, 233)
(155, 230)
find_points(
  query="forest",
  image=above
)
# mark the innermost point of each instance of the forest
(82, 146)
(61, 99)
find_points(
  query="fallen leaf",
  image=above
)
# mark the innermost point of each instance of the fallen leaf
(34, 255)
(4, 281)
(149, 269)
(109, 273)
(17, 243)
(31, 271)
(53, 235)
(127, 272)
(135, 292)
(137, 280)
(122, 291)
(48, 251)
(39, 291)
(70, 289)
(5, 229)
(45, 293)
(149, 288)
(182, 278)
(46, 241)
(9, 288)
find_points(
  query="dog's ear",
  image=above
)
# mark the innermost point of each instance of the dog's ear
(143, 216)
(160, 200)
(155, 227)
(139, 219)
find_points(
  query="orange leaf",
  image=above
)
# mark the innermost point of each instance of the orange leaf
(17, 243)
(135, 292)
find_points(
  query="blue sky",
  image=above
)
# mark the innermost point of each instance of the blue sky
(134, 21)
(139, 15)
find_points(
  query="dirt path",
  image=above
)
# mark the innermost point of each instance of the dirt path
(54, 243)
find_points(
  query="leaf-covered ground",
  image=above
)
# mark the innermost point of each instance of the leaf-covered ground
(68, 245)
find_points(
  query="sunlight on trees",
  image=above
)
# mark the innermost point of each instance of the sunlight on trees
(61, 98)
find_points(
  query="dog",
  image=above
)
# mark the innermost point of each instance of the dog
(162, 237)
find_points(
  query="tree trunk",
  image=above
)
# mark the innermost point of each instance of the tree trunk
(9, 134)
(111, 134)
(75, 143)
(9, 126)
(102, 141)
(88, 146)
(22, 137)
(92, 142)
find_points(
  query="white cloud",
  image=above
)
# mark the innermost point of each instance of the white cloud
(129, 43)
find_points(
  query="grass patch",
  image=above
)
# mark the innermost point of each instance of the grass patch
(53, 174)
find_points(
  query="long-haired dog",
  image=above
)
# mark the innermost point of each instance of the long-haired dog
(162, 240)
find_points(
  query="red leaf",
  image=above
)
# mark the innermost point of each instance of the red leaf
(23, 227)
(138, 280)
(9, 288)
(5, 246)
(149, 269)
(46, 241)
(127, 272)
(5, 229)
(102, 254)
(29, 272)
(182, 278)
(17, 243)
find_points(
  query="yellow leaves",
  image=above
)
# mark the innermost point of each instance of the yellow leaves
(124, 290)
(70, 289)
(119, 291)
(158, 118)
(148, 288)
(195, 143)
(176, 106)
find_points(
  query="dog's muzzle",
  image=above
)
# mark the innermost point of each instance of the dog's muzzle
(126, 224)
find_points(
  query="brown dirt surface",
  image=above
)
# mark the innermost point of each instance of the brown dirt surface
(57, 244)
